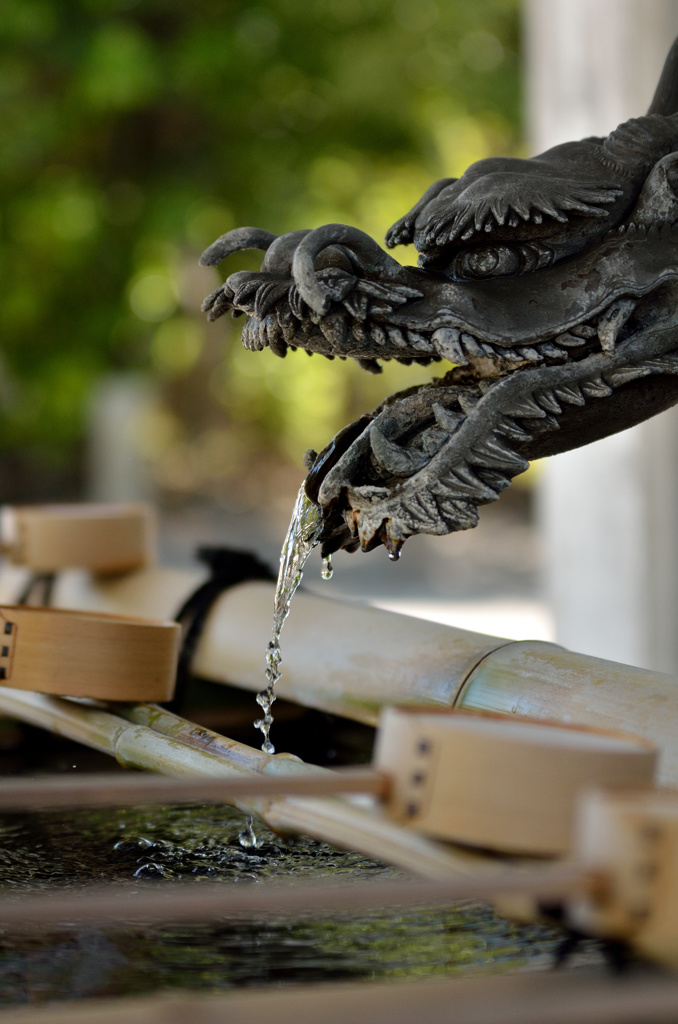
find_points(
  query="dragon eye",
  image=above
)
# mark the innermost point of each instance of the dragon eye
(499, 261)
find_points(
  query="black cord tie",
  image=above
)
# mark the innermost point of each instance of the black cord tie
(38, 589)
(228, 568)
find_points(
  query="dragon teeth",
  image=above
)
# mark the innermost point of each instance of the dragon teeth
(511, 356)
(393, 537)
(494, 455)
(446, 342)
(274, 337)
(471, 346)
(396, 337)
(552, 351)
(612, 321)
(419, 342)
(568, 340)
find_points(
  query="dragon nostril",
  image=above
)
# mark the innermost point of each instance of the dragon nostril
(279, 255)
(334, 256)
(372, 259)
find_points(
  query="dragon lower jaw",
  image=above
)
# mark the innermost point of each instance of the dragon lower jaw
(426, 460)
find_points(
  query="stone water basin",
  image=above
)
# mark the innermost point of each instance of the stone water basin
(154, 845)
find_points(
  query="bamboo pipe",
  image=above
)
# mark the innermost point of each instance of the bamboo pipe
(330, 819)
(353, 660)
(542, 680)
(338, 656)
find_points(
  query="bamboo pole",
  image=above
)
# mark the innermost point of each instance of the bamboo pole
(353, 660)
(152, 716)
(330, 819)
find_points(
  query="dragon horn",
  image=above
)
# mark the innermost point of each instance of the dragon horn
(371, 256)
(236, 241)
(665, 100)
(637, 145)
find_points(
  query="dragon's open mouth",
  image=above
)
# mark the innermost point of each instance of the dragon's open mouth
(560, 317)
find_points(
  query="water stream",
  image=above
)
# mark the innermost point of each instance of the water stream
(302, 536)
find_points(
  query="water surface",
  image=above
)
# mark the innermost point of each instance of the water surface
(155, 845)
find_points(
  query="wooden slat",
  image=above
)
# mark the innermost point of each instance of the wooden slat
(116, 790)
(547, 998)
(211, 901)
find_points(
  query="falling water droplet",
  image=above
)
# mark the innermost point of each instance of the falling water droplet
(327, 570)
(247, 838)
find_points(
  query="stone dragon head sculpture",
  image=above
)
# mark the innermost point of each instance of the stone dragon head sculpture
(550, 284)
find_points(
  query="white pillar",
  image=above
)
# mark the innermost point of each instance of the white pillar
(118, 415)
(609, 511)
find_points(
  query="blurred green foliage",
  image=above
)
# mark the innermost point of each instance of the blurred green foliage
(132, 134)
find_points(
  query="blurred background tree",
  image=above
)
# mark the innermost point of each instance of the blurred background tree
(133, 134)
